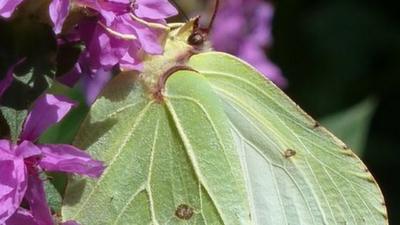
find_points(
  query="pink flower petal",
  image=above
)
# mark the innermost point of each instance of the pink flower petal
(155, 9)
(27, 149)
(7, 80)
(7, 7)
(47, 110)
(71, 77)
(21, 217)
(36, 197)
(149, 38)
(58, 11)
(244, 28)
(67, 158)
(6, 145)
(131, 60)
(13, 182)
(94, 84)
(254, 55)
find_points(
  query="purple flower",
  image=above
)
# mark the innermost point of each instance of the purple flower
(92, 84)
(145, 9)
(124, 30)
(21, 216)
(123, 33)
(24, 217)
(7, 7)
(103, 52)
(7, 80)
(58, 11)
(105, 48)
(243, 28)
(21, 164)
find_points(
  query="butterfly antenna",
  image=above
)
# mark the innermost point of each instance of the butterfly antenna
(216, 7)
(180, 10)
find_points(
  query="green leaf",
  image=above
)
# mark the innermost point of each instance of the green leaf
(352, 125)
(66, 130)
(167, 162)
(26, 78)
(296, 171)
(54, 198)
(15, 120)
(35, 41)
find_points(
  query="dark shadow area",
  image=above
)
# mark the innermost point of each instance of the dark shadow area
(75, 190)
(27, 39)
(92, 132)
(121, 86)
(336, 54)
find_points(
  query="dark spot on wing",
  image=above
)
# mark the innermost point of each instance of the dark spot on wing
(289, 153)
(184, 212)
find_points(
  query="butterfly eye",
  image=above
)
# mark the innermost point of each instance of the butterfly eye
(196, 39)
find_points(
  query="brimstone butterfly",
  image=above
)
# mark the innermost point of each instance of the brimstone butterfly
(201, 137)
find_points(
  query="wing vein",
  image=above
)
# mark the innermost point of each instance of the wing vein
(148, 186)
(97, 184)
(192, 157)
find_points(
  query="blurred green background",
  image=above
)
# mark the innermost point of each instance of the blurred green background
(337, 53)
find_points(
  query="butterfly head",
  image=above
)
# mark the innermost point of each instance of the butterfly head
(199, 36)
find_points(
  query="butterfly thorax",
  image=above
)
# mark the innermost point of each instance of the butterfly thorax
(179, 47)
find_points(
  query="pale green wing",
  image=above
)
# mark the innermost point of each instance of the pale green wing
(297, 172)
(170, 162)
